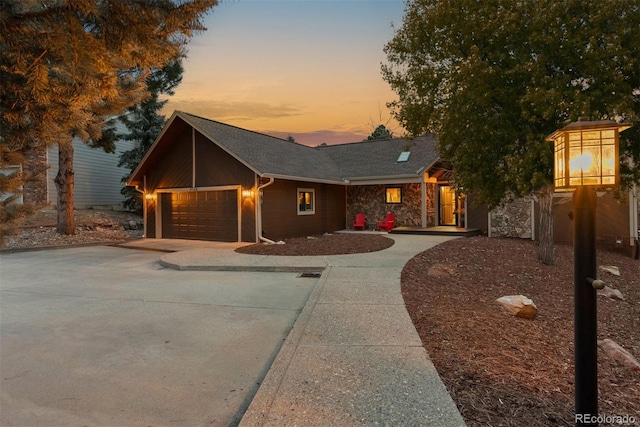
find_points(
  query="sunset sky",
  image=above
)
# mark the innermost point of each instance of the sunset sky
(309, 69)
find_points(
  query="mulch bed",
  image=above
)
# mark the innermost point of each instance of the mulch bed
(506, 371)
(326, 244)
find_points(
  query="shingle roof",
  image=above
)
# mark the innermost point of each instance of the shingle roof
(267, 155)
(379, 158)
(275, 157)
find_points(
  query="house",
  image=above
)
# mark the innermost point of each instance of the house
(97, 176)
(207, 180)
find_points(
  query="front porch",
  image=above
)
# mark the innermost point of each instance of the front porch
(442, 230)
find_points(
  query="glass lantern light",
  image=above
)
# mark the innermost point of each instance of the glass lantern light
(586, 154)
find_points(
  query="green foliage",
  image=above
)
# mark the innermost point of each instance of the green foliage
(380, 132)
(492, 79)
(67, 67)
(144, 123)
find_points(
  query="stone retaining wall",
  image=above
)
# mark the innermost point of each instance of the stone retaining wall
(514, 219)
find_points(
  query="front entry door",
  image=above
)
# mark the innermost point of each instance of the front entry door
(447, 205)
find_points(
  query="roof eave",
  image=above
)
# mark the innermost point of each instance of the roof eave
(391, 179)
(303, 178)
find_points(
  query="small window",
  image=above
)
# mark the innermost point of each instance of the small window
(306, 201)
(393, 195)
(404, 156)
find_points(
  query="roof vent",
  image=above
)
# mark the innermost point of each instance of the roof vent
(404, 156)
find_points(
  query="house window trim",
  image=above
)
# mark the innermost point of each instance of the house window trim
(386, 194)
(312, 191)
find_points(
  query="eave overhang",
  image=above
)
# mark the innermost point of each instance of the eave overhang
(303, 178)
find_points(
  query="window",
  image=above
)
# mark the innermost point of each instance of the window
(404, 156)
(306, 201)
(393, 195)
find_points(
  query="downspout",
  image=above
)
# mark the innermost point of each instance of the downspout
(259, 210)
(144, 212)
(346, 202)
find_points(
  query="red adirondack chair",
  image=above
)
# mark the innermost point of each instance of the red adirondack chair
(360, 222)
(387, 223)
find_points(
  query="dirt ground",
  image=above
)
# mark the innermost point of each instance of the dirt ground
(92, 225)
(499, 369)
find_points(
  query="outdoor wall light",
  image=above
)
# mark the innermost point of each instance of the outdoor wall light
(150, 196)
(586, 153)
(247, 194)
(586, 157)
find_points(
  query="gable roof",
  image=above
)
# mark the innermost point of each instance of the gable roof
(265, 154)
(268, 156)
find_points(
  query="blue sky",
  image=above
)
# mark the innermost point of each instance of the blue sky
(306, 68)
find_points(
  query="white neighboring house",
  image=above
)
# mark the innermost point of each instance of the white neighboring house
(97, 181)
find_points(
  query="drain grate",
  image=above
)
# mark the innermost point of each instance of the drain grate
(310, 274)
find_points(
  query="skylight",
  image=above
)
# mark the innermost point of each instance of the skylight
(404, 156)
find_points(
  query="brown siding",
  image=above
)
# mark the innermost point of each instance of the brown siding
(612, 221)
(562, 223)
(151, 218)
(280, 217)
(248, 217)
(477, 215)
(215, 167)
(175, 168)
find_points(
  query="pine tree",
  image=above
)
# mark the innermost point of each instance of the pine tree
(144, 122)
(12, 179)
(380, 132)
(67, 67)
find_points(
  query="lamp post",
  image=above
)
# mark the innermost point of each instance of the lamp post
(586, 157)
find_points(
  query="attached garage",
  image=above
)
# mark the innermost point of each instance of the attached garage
(205, 180)
(200, 215)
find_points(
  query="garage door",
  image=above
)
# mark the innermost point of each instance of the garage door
(200, 215)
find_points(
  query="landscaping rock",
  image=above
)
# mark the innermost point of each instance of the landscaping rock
(611, 293)
(619, 354)
(611, 269)
(519, 305)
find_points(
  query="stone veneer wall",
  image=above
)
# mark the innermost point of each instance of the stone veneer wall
(370, 200)
(514, 219)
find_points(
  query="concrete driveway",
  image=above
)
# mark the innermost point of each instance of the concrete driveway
(106, 336)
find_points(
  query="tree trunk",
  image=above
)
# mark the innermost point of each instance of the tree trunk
(64, 185)
(545, 246)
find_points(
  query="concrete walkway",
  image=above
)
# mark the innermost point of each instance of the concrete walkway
(353, 356)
